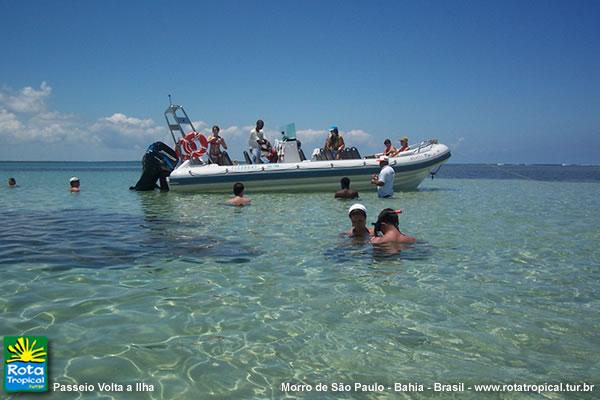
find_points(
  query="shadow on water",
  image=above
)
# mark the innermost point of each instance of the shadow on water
(86, 238)
(437, 189)
(352, 251)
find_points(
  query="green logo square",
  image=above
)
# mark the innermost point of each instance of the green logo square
(25, 363)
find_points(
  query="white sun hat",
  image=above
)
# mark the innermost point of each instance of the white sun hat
(357, 206)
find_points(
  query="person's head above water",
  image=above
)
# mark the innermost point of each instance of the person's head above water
(357, 212)
(388, 217)
(238, 189)
(345, 183)
(358, 215)
(357, 208)
(12, 182)
(74, 183)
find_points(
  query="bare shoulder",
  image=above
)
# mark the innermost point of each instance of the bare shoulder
(406, 239)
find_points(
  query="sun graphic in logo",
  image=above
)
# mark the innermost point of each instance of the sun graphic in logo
(23, 351)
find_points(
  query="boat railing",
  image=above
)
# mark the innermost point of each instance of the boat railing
(425, 145)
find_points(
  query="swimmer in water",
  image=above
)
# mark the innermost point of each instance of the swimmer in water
(238, 200)
(387, 230)
(358, 215)
(74, 183)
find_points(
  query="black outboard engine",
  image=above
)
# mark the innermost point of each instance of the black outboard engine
(158, 163)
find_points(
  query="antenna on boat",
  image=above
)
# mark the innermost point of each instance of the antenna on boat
(170, 102)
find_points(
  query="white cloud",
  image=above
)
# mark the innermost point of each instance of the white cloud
(122, 131)
(27, 100)
(9, 124)
(200, 125)
(312, 135)
(128, 126)
(54, 127)
(45, 127)
(24, 117)
(356, 136)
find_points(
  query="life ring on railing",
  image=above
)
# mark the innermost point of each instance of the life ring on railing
(193, 145)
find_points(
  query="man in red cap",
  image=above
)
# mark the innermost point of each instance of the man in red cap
(385, 179)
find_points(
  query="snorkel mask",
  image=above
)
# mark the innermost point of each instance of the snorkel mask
(387, 216)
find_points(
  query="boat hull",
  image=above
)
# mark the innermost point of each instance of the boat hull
(308, 176)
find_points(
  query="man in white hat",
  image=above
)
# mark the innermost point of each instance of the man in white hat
(74, 182)
(385, 179)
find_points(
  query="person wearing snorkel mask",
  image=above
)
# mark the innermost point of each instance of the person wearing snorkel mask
(387, 230)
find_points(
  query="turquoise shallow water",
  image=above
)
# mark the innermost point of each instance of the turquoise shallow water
(202, 300)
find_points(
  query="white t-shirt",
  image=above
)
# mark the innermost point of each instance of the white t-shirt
(387, 177)
(254, 137)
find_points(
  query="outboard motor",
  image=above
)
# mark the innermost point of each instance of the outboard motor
(158, 163)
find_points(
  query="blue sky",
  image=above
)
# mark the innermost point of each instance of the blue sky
(496, 81)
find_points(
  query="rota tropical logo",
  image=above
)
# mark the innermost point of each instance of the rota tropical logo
(25, 363)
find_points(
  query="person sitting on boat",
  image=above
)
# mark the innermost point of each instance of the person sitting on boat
(238, 200)
(358, 215)
(268, 152)
(345, 192)
(403, 146)
(390, 150)
(74, 183)
(335, 142)
(386, 228)
(385, 180)
(214, 146)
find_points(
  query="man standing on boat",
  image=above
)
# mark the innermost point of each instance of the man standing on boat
(257, 140)
(385, 179)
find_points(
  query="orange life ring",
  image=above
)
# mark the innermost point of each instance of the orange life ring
(193, 144)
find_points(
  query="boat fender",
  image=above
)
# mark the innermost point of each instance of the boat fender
(194, 145)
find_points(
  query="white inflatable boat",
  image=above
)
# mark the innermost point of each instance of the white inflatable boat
(294, 174)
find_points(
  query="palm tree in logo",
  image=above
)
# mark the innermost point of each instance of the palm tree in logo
(25, 352)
